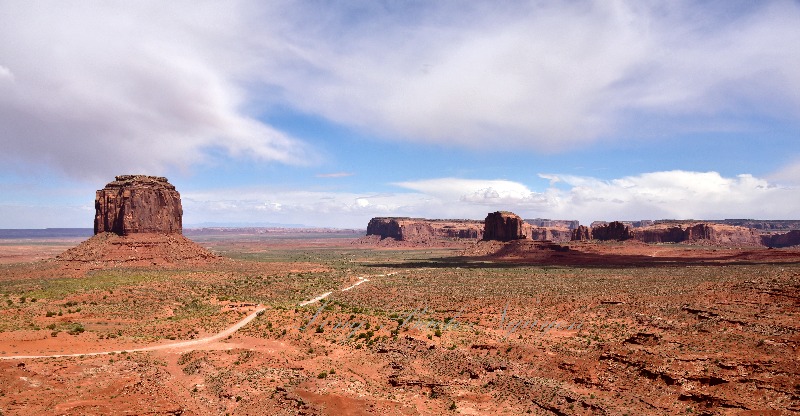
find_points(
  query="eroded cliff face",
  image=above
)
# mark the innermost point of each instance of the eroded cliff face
(792, 238)
(717, 234)
(421, 230)
(505, 226)
(138, 204)
(581, 233)
(674, 234)
(612, 231)
(557, 235)
(138, 223)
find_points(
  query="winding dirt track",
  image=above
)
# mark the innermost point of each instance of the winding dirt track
(181, 345)
(186, 345)
(363, 279)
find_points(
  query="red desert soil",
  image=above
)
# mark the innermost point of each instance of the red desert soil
(28, 250)
(514, 329)
(624, 253)
(141, 249)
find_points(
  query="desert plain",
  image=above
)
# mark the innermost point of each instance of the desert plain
(330, 324)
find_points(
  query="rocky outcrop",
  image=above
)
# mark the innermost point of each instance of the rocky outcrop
(138, 204)
(631, 224)
(661, 234)
(140, 249)
(386, 227)
(582, 233)
(471, 230)
(703, 233)
(137, 223)
(522, 249)
(612, 231)
(423, 230)
(762, 225)
(548, 223)
(792, 238)
(558, 235)
(505, 226)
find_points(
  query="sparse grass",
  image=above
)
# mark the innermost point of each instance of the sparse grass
(532, 365)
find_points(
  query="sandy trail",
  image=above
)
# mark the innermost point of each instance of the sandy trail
(364, 279)
(186, 345)
(316, 299)
(181, 345)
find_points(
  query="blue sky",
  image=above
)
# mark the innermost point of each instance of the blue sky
(330, 113)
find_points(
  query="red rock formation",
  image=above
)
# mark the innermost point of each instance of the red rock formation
(138, 204)
(139, 249)
(700, 232)
(138, 223)
(792, 238)
(386, 227)
(612, 231)
(661, 234)
(723, 234)
(423, 230)
(717, 234)
(505, 226)
(548, 223)
(582, 233)
(558, 235)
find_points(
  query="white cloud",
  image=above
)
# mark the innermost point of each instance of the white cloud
(788, 174)
(312, 208)
(464, 189)
(654, 195)
(6, 73)
(548, 75)
(334, 175)
(675, 194)
(101, 88)
(476, 192)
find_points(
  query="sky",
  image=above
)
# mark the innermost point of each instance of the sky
(329, 113)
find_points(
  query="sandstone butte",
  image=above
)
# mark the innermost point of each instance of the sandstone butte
(138, 221)
(581, 233)
(612, 231)
(506, 226)
(138, 204)
(422, 230)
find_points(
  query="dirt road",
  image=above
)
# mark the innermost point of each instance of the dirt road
(176, 346)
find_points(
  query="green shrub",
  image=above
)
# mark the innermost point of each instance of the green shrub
(77, 330)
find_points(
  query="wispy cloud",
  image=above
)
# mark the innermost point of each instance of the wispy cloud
(333, 175)
(547, 76)
(674, 194)
(653, 195)
(95, 89)
(788, 174)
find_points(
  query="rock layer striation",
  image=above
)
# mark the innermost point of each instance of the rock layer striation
(423, 230)
(505, 226)
(138, 204)
(612, 231)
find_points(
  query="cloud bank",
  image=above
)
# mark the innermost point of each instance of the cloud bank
(654, 195)
(552, 75)
(93, 89)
